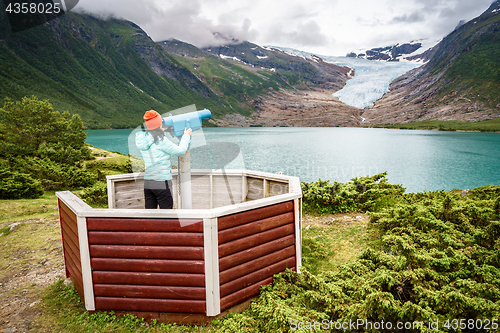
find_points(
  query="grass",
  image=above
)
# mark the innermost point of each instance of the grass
(329, 241)
(451, 125)
(13, 210)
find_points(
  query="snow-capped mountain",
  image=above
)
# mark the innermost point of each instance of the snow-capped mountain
(414, 51)
(459, 82)
(368, 80)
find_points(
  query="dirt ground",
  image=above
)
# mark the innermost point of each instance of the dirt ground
(29, 271)
(297, 108)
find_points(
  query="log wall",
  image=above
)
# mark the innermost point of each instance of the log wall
(147, 265)
(71, 247)
(184, 265)
(253, 246)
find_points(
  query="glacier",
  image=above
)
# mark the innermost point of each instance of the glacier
(371, 77)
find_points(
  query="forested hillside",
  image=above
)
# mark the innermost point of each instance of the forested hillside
(110, 71)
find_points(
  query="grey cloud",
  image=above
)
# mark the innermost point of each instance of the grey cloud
(307, 34)
(409, 18)
(182, 20)
(452, 12)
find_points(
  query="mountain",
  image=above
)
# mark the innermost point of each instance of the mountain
(417, 51)
(110, 71)
(315, 71)
(280, 89)
(94, 68)
(461, 80)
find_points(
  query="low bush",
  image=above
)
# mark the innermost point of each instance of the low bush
(15, 185)
(97, 195)
(371, 193)
(52, 175)
(438, 261)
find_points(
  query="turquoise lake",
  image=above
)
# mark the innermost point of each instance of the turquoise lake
(419, 160)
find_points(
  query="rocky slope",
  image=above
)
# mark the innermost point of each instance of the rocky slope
(460, 81)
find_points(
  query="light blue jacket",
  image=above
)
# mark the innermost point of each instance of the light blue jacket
(156, 156)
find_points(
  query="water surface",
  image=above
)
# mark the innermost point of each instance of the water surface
(419, 160)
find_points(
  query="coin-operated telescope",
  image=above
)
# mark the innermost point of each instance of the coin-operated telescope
(187, 120)
(177, 124)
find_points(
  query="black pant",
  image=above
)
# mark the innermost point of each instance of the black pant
(158, 193)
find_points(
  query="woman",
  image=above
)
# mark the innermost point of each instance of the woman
(156, 150)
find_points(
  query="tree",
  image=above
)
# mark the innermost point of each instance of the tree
(31, 127)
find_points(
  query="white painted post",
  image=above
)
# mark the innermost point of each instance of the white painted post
(185, 179)
(111, 193)
(298, 234)
(211, 251)
(88, 287)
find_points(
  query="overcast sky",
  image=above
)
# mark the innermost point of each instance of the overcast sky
(325, 27)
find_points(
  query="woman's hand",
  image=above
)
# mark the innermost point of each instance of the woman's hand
(188, 131)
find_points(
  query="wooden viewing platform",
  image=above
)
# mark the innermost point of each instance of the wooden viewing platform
(182, 265)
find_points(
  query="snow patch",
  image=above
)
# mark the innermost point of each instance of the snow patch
(228, 57)
(371, 78)
(262, 57)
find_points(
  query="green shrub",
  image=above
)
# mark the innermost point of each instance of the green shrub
(97, 195)
(438, 260)
(371, 193)
(15, 185)
(52, 175)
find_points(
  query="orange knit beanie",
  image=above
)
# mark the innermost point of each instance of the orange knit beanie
(153, 119)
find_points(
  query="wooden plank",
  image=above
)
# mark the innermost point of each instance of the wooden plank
(77, 281)
(74, 260)
(298, 232)
(75, 268)
(68, 222)
(243, 294)
(148, 265)
(146, 252)
(254, 240)
(138, 291)
(255, 188)
(129, 185)
(146, 238)
(261, 274)
(226, 190)
(149, 304)
(130, 193)
(68, 212)
(233, 220)
(72, 240)
(277, 188)
(85, 261)
(255, 252)
(256, 264)
(253, 228)
(73, 202)
(150, 279)
(79, 289)
(151, 225)
(131, 200)
(201, 200)
(211, 267)
(71, 245)
(110, 184)
(133, 203)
